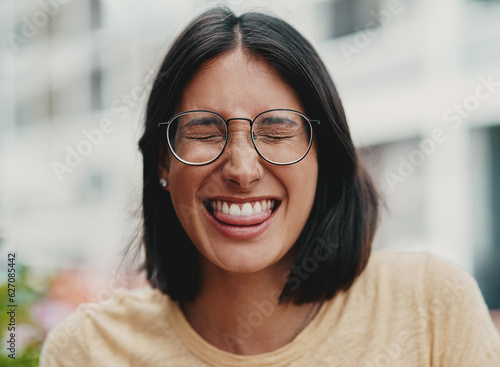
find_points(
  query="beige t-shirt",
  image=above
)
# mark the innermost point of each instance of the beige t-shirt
(406, 309)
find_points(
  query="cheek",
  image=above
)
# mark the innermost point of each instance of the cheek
(184, 179)
(310, 173)
(302, 189)
(309, 184)
(308, 188)
(183, 187)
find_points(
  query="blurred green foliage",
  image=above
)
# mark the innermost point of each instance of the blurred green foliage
(29, 288)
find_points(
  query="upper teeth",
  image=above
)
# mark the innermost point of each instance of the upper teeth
(242, 210)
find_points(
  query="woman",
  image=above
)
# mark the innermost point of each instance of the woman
(258, 224)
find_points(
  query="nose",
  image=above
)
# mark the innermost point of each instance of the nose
(241, 162)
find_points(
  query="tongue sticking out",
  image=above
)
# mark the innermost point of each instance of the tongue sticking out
(242, 221)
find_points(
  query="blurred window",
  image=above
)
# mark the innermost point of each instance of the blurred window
(487, 241)
(95, 186)
(95, 14)
(494, 135)
(96, 88)
(402, 186)
(493, 296)
(340, 17)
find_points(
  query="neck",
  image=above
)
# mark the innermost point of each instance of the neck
(239, 313)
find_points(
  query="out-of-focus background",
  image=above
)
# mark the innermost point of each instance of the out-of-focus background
(420, 81)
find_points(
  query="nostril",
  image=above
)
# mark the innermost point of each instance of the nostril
(241, 172)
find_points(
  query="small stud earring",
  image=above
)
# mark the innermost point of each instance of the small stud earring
(163, 182)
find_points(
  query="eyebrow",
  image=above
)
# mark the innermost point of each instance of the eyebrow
(275, 120)
(203, 121)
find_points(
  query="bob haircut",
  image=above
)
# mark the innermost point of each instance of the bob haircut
(335, 244)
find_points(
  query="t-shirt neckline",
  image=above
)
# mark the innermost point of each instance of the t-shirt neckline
(304, 343)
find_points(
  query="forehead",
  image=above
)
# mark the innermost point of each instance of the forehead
(237, 84)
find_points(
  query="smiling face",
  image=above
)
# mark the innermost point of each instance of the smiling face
(237, 221)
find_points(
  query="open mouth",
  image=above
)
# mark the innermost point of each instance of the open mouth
(241, 214)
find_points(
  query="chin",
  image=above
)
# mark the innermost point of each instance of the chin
(245, 259)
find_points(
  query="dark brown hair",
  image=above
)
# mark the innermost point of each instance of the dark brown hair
(335, 244)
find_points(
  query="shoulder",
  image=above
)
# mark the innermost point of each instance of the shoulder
(441, 300)
(430, 270)
(422, 276)
(416, 283)
(401, 261)
(427, 269)
(126, 314)
(134, 307)
(125, 302)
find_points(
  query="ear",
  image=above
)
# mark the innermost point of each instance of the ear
(163, 164)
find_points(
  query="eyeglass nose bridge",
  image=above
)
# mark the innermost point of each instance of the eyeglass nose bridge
(240, 118)
(228, 134)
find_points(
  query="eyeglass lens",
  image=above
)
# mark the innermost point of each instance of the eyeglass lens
(280, 136)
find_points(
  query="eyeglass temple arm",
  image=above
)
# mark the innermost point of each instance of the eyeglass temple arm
(316, 122)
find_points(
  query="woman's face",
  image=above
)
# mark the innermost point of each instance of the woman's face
(236, 85)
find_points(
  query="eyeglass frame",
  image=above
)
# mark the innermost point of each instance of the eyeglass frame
(167, 124)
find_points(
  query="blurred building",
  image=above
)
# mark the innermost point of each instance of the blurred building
(420, 81)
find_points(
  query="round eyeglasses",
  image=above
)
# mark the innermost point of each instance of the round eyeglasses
(280, 136)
